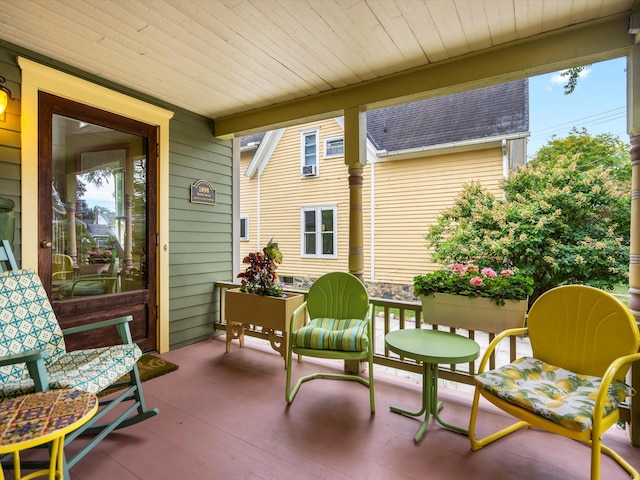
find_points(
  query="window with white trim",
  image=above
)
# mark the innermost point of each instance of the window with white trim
(333, 147)
(309, 153)
(244, 227)
(319, 232)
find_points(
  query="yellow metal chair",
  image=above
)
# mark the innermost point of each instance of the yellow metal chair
(336, 323)
(61, 267)
(584, 341)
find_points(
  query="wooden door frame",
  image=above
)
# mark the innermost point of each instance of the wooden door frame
(139, 303)
(37, 77)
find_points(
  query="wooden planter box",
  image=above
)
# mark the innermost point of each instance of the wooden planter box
(272, 314)
(479, 314)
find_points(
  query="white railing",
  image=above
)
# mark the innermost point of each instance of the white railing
(393, 315)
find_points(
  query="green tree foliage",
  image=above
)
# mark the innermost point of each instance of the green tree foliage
(603, 149)
(572, 81)
(559, 222)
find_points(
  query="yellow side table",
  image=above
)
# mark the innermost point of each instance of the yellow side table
(39, 418)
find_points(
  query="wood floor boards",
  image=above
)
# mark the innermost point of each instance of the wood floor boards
(223, 416)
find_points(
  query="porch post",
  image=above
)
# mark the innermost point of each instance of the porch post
(71, 246)
(633, 119)
(355, 135)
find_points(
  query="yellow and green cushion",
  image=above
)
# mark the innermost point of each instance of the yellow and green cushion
(349, 335)
(562, 396)
(27, 323)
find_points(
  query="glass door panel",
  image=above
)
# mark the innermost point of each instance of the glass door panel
(99, 210)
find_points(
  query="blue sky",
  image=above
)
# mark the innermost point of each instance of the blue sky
(598, 104)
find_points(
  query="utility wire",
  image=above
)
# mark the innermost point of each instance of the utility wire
(591, 120)
(613, 114)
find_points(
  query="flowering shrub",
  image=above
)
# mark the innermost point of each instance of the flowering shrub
(260, 276)
(472, 281)
(100, 256)
(560, 223)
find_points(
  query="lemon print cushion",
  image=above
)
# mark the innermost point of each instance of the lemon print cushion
(562, 396)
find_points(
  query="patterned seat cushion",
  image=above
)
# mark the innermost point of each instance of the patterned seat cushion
(92, 370)
(333, 334)
(562, 396)
(27, 323)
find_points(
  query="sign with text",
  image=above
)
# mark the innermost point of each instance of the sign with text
(203, 192)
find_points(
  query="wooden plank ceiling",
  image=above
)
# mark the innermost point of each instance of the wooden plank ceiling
(224, 57)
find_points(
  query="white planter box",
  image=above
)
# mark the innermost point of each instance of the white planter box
(480, 313)
(272, 314)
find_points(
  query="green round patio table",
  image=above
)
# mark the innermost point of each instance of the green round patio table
(431, 347)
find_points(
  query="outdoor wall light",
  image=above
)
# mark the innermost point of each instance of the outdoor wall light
(5, 95)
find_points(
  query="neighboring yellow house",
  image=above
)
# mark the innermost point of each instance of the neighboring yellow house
(294, 187)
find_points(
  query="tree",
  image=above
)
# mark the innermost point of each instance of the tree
(572, 81)
(558, 223)
(603, 149)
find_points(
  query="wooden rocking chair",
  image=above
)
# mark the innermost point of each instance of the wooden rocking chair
(33, 358)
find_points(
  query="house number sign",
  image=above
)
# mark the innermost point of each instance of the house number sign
(203, 192)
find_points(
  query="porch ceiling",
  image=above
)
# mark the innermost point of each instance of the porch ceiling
(224, 58)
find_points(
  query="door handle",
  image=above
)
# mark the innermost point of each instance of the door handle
(45, 244)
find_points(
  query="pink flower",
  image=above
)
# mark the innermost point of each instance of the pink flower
(488, 272)
(507, 273)
(470, 268)
(457, 267)
(476, 281)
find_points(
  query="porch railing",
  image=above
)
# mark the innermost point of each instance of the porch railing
(393, 315)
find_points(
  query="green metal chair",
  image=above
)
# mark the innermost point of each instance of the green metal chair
(100, 284)
(33, 357)
(335, 322)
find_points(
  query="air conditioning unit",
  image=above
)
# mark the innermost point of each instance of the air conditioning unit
(309, 171)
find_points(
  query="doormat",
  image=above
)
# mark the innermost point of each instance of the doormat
(150, 366)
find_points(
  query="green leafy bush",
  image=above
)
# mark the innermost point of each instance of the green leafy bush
(559, 223)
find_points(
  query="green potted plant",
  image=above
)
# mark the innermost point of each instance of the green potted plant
(474, 298)
(260, 276)
(261, 301)
(97, 261)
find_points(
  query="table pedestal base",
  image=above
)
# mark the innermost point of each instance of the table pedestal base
(430, 403)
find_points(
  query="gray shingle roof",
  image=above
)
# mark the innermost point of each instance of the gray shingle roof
(485, 112)
(254, 137)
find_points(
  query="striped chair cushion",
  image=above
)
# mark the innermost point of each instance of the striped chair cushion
(552, 392)
(333, 334)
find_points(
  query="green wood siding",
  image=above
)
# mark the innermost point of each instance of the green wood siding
(199, 235)
(10, 142)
